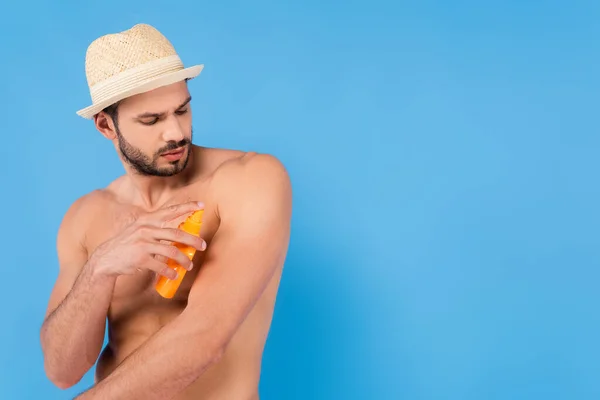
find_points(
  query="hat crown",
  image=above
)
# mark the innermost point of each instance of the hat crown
(123, 64)
(115, 53)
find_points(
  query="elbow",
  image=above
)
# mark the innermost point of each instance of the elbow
(59, 377)
(62, 382)
(52, 368)
(64, 385)
(63, 372)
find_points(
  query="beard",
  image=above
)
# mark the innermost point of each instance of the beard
(148, 166)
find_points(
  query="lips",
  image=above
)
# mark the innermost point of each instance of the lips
(174, 152)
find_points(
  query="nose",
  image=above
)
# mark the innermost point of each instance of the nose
(173, 130)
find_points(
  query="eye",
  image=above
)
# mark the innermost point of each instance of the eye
(181, 112)
(150, 122)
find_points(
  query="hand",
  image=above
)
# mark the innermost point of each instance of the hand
(144, 244)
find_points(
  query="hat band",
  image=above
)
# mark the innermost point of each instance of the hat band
(133, 77)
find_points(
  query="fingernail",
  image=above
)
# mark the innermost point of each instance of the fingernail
(191, 266)
(200, 204)
(174, 275)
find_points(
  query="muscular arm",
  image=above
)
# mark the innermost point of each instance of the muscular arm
(249, 246)
(73, 330)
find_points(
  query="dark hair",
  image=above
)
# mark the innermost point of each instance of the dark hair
(113, 112)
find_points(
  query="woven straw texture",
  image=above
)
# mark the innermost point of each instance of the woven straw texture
(114, 53)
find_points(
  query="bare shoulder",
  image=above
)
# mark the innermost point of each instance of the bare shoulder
(84, 206)
(213, 158)
(228, 165)
(239, 166)
(77, 220)
(252, 177)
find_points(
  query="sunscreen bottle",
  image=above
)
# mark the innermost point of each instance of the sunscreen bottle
(168, 287)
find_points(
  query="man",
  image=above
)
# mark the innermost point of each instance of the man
(113, 243)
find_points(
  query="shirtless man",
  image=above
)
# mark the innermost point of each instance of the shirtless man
(206, 342)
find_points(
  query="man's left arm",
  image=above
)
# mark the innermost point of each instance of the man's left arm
(249, 246)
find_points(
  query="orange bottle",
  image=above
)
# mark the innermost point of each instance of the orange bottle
(168, 287)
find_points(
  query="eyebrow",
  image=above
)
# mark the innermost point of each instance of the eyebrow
(158, 115)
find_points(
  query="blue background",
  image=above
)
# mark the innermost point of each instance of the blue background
(444, 156)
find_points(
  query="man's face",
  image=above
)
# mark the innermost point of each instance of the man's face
(154, 130)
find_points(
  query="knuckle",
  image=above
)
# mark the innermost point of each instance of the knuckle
(172, 252)
(166, 271)
(131, 217)
(128, 222)
(139, 256)
(178, 233)
(144, 230)
(138, 218)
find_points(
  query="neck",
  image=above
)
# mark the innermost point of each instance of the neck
(152, 192)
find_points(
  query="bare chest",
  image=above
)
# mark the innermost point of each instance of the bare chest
(135, 292)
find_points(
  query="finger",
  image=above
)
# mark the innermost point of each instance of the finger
(163, 215)
(173, 235)
(161, 268)
(160, 258)
(171, 252)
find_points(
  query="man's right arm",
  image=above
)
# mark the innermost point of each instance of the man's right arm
(73, 330)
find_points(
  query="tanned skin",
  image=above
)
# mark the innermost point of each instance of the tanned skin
(207, 342)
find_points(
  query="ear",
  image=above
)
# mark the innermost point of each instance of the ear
(105, 125)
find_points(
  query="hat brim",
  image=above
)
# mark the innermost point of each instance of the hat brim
(163, 80)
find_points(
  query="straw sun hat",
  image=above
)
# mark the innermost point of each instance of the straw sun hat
(130, 62)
